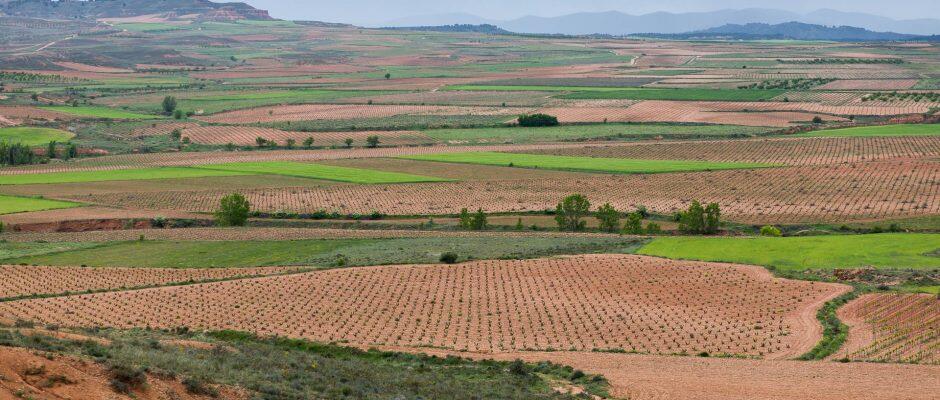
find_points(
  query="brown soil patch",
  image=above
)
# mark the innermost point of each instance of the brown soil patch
(34, 280)
(246, 136)
(870, 84)
(309, 112)
(23, 114)
(586, 302)
(37, 376)
(893, 328)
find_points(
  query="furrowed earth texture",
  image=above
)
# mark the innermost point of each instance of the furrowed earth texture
(370, 158)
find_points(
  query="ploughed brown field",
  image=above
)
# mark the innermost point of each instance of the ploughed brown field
(581, 303)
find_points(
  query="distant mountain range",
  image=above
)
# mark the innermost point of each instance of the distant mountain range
(790, 30)
(618, 23)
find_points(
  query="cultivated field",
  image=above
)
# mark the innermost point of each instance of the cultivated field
(892, 328)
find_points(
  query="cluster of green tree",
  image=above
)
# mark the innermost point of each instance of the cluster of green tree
(931, 97)
(69, 150)
(234, 210)
(699, 220)
(844, 61)
(31, 77)
(571, 212)
(169, 108)
(789, 84)
(17, 154)
(473, 222)
(371, 142)
(535, 120)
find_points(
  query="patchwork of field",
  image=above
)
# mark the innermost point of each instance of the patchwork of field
(831, 193)
(477, 307)
(893, 328)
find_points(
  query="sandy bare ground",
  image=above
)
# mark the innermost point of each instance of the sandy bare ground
(649, 377)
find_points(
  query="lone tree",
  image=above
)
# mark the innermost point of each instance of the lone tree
(388, 75)
(570, 213)
(478, 221)
(308, 142)
(169, 105)
(538, 120)
(349, 142)
(465, 219)
(372, 141)
(608, 218)
(260, 141)
(233, 211)
(634, 224)
(176, 135)
(50, 151)
(290, 143)
(700, 220)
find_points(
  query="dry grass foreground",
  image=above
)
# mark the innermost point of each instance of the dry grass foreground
(892, 327)
(38, 376)
(613, 302)
(21, 280)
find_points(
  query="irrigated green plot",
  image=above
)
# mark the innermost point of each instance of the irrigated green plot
(114, 175)
(319, 171)
(586, 92)
(99, 112)
(883, 130)
(33, 136)
(574, 132)
(890, 250)
(586, 164)
(14, 204)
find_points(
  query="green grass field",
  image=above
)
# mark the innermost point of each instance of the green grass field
(884, 130)
(585, 164)
(585, 92)
(99, 112)
(319, 171)
(318, 252)
(31, 136)
(574, 132)
(114, 175)
(889, 250)
(14, 204)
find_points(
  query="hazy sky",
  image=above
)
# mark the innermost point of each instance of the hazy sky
(377, 11)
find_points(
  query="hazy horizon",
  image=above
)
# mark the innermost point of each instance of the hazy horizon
(366, 12)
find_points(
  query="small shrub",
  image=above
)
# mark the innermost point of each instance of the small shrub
(449, 258)
(517, 367)
(770, 231)
(125, 378)
(199, 388)
(535, 120)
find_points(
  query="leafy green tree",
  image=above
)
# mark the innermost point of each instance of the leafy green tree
(308, 142)
(178, 114)
(478, 221)
(176, 135)
(570, 213)
(260, 141)
(634, 224)
(608, 218)
(50, 150)
(372, 141)
(290, 143)
(712, 218)
(534, 120)
(169, 105)
(233, 210)
(519, 225)
(653, 229)
(388, 75)
(349, 143)
(693, 219)
(465, 219)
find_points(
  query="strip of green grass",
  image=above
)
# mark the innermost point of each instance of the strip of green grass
(319, 171)
(585, 92)
(573, 132)
(114, 175)
(99, 112)
(586, 164)
(31, 136)
(321, 252)
(14, 204)
(889, 250)
(883, 130)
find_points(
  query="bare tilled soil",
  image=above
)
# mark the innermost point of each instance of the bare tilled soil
(667, 111)
(892, 327)
(247, 136)
(309, 112)
(21, 280)
(829, 193)
(789, 151)
(615, 302)
(650, 377)
(29, 375)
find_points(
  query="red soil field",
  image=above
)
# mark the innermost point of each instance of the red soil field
(662, 111)
(891, 327)
(20, 114)
(34, 280)
(870, 84)
(309, 112)
(833, 193)
(789, 151)
(653, 377)
(246, 135)
(581, 303)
